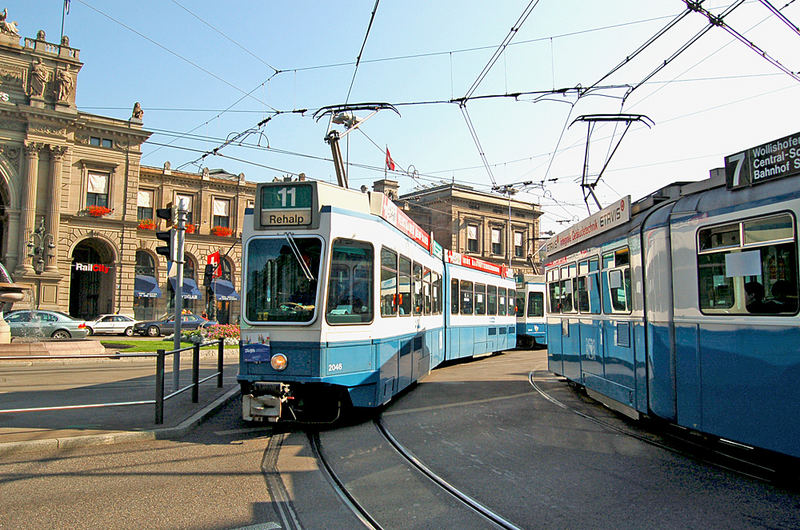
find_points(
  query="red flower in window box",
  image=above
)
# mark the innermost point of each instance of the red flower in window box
(147, 224)
(98, 211)
(222, 231)
(190, 228)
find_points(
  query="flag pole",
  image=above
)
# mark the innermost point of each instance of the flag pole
(64, 9)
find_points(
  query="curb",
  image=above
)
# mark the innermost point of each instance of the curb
(55, 445)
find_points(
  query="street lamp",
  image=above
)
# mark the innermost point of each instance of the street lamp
(40, 246)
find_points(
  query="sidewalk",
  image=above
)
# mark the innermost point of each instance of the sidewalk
(33, 384)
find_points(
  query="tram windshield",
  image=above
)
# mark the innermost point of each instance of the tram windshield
(281, 283)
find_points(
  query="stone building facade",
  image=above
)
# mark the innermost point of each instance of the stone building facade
(496, 229)
(71, 184)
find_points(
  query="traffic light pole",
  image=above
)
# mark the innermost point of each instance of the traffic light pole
(179, 236)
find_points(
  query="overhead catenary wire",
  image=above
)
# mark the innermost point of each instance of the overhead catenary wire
(361, 51)
(719, 22)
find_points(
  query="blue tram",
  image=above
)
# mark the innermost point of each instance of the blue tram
(345, 302)
(531, 314)
(684, 304)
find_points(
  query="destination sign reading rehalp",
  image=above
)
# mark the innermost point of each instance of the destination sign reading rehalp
(773, 160)
(286, 205)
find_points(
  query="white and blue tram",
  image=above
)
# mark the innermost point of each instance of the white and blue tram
(684, 305)
(531, 314)
(343, 302)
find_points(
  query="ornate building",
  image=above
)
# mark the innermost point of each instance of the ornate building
(73, 192)
(496, 229)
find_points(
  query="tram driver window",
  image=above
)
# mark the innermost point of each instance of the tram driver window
(750, 269)
(350, 283)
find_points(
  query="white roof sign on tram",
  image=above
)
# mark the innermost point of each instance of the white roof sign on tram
(609, 217)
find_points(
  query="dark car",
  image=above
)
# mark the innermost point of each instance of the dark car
(166, 324)
(43, 324)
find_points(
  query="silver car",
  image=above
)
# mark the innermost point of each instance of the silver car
(44, 324)
(115, 324)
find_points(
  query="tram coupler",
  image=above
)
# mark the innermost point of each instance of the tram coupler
(264, 402)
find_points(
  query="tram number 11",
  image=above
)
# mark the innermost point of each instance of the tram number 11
(288, 195)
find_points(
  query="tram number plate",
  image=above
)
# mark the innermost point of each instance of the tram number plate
(286, 205)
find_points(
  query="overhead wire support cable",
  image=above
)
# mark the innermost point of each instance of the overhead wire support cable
(262, 61)
(176, 54)
(361, 51)
(641, 48)
(718, 21)
(781, 16)
(501, 48)
(477, 141)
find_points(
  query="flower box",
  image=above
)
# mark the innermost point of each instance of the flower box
(98, 211)
(190, 228)
(222, 231)
(147, 224)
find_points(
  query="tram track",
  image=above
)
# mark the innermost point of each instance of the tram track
(362, 513)
(684, 443)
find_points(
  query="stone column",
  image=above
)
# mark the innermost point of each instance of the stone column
(54, 207)
(28, 206)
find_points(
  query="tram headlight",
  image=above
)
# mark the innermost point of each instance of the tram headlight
(279, 362)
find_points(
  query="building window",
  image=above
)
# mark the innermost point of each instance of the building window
(222, 216)
(97, 190)
(472, 238)
(497, 240)
(519, 248)
(144, 208)
(185, 202)
(98, 142)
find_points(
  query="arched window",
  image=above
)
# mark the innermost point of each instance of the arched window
(145, 265)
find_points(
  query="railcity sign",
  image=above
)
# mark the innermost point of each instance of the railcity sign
(769, 161)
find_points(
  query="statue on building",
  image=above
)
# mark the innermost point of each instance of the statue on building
(137, 111)
(65, 41)
(65, 83)
(7, 27)
(40, 35)
(38, 78)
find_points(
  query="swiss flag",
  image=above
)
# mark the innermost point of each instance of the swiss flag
(389, 161)
(213, 259)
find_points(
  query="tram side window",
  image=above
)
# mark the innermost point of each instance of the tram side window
(752, 272)
(554, 291)
(404, 286)
(617, 281)
(436, 292)
(480, 299)
(520, 304)
(350, 283)
(501, 300)
(388, 282)
(465, 289)
(587, 290)
(454, 299)
(535, 304)
(491, 300)
(417, 288)
(426, 291)
(512, 300)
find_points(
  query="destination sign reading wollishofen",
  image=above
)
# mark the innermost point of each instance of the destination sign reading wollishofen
(775, 159)
(606, 219)
(286, 205)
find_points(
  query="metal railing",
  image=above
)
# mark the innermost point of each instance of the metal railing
(160, 398)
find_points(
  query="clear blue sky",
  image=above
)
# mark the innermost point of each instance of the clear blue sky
(204, 71)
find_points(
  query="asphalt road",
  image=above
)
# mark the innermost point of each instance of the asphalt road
(479, 425)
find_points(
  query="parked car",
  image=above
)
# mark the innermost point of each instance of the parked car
(44, 324)
(114, 324)
(166, 324)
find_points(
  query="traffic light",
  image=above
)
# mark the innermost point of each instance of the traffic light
(168, 236)
(209, 274)
(170, 214)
